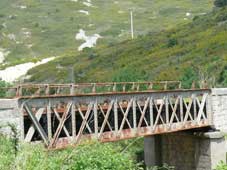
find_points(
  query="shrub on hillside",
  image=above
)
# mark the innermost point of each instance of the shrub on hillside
(2, 85)
(220, 3)
(189, 76)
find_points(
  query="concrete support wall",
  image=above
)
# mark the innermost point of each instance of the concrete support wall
(219, 108)
(9, 114)
(187, 151)
(152, 150)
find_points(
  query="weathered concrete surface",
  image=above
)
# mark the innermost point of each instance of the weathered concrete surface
(9, 115)
(152, 143)
(219, 108)
(187, 151)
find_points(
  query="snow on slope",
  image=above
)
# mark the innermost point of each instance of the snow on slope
(3, 54)
(84, 12)
(90, 41)
(2, 58)
(10, 74)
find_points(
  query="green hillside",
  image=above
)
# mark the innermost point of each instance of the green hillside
(197, 50)
(34, 29)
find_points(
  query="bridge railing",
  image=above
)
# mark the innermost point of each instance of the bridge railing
(86, 88)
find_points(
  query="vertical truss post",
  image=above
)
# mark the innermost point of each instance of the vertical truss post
(49, 122)
(209, 109)
(73, 113)
(151, 113)
(194, 108)
(181, 110)
(115, 116)
(134, 113)
(167, 110)
(96, 118)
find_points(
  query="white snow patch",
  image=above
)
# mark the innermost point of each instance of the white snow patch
(23, 7)
(29, 45)
(203, 13)
(2, 58)
(74, 0)
(90, 41)
(89, 1)
(87, 4)
(4, 25)
(10, 74)
(12, 37)
(116, 2)
(12, 16)
(122, 33)
(3, 54)
(188, 14)
(27, 34)
(84, 12)
(121, 12)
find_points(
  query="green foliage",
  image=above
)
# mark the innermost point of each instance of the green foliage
(166, 55)
(222, 166)
(220, 3)
(53, 25)
(172, 42)
(7, 155)
(2, 85)
(222, 79)
(88, 156)
(129, 75)
(164, 167)
(100, 157)
(189, 77)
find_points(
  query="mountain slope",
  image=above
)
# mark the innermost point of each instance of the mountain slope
(34, 29)
(197, 49)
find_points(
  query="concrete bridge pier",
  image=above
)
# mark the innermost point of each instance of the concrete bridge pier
(186, 150)
(152, 151)
(10, 117)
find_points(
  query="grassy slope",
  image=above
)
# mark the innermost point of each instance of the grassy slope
(200, 45)
(84, 157)
(53, 24)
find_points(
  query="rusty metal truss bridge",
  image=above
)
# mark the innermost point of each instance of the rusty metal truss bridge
(63, 115)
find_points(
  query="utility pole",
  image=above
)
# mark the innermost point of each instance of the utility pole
(132, 29)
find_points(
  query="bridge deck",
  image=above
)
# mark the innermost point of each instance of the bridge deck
(61, 120)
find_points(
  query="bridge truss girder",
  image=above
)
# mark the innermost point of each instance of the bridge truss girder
(60, 121)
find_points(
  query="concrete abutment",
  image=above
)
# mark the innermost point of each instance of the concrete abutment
(186, 150)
